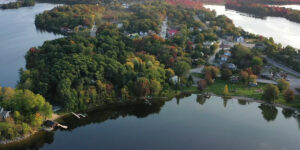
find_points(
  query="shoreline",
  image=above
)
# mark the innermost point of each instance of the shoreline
(56, 117)
(18, 139)
(248, 99)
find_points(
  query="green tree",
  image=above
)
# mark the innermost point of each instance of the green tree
(181, 68)
(283, 85)
(142, 87)
(226, 73)
(271, 93)
(155, 87)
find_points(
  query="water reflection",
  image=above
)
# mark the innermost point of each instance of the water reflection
(217, 120)
(287, 113)
(243, 102)
(201, 99)
(112, 113)
(269, 112)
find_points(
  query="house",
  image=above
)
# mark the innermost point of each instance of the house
(66, 30)
(260, 46)
(234, 79)
(172, 32)
(142, 34)
(227, 53)
(175, 79)
(267, 75)
(50, 124)
(125, 6)
(191, 29)
(224, 58)
(252, 84)
(228, 37)
(232, 66)
(5, 114)
(208, 43)
(119, 25)
(240, 39)
(133, 35)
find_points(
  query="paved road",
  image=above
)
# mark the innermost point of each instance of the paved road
(266, 81)
(285, 68)
(294, 83)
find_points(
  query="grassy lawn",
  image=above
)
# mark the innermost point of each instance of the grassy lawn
(240, 89)
(190, 89)
(236, 89)
(295, 103)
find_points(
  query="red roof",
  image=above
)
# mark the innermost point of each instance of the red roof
(172, 32)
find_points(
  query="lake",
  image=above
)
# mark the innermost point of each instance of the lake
(190, 123)
(17, 35)
(282, 30)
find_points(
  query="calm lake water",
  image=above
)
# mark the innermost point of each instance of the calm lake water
(189, 123)
(17, 35)
(282, 30)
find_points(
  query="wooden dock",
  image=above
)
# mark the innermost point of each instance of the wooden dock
(79, 115)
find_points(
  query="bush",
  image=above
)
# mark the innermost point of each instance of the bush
(226, 74)
(271, 93)
(289, 95)
(283, 85)
(202, 84)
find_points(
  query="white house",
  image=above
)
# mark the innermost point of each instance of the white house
(232, 66)
(208, 43)
(119, 25)
(4, 114)
(240, 39)
(175, 79)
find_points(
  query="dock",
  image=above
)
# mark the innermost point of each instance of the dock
(79, 115)
(62, 126)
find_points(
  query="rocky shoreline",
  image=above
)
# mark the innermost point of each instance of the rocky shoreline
(17, 139)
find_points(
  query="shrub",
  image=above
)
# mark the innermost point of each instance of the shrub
(289, 95)
(271, 93)
(283, 85)
(202, 84)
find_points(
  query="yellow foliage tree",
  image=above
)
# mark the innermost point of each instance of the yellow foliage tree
(226, 91)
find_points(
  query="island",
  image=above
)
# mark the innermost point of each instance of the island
(262, 10)
(18, 4)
